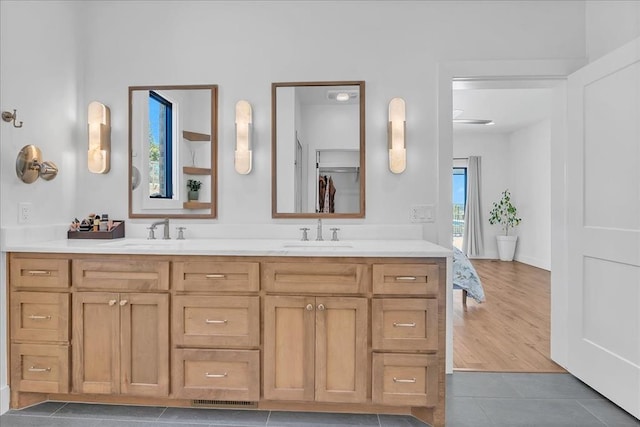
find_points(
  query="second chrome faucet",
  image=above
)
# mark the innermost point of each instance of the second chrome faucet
(165, 234)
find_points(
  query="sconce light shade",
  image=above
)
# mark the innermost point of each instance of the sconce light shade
(98, 157)
(244, 124)
(396, 129)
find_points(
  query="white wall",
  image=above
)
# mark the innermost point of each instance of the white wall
(40, 77)
(57, 56)
(519, 161)
(495, 165)
(610, 24)
(530, 185)
(299, 47)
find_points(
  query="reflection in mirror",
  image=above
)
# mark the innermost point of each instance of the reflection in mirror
(172, 139)
(318, 150)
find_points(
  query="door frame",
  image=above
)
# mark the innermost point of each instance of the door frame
(515, 71)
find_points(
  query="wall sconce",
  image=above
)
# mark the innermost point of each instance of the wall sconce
(98, 157)
(396, 129)
(244, 124)
(29, 165)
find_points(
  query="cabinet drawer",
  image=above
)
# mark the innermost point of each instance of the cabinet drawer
(33, 273)
(406, 279)
(218, 321)
(39, 316)
(216, 374)
(40, 368)
(405, 324)
(209, 276)
(405, 379)
(121, 274)
(316, 277)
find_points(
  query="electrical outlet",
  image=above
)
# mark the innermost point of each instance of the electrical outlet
(24, 212)
(421, 213)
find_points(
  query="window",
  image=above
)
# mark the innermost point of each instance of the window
(160, 147)
(459, 201)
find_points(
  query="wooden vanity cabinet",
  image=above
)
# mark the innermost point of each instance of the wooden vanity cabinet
(39, 323)
(315, 346)
(120, 325)
(216, 330)
(121, 343)
(407, 312)
(340, 334)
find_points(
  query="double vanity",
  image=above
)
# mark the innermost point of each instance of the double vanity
(334, 326)
(347, 326)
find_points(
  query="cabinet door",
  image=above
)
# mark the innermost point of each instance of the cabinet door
(144, 344)
(341, 368)
(289, 346)
(95, 345)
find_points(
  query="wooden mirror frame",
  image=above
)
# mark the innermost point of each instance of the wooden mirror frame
(274, 208)
(214, 153)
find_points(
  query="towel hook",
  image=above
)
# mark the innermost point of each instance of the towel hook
(11, 117)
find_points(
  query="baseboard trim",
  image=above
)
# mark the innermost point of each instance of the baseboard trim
(5, 397)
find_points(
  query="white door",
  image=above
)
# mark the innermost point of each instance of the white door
(603, 231)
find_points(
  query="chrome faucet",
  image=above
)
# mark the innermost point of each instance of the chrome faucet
(165, 235)
(319, 236)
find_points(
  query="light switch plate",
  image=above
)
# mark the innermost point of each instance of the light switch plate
(422, 213)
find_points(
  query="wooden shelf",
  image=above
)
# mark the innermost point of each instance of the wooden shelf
(195, 136)
(196, 171)
(196, 205)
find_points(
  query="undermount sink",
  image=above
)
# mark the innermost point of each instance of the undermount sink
(142, 244)
(317, 245)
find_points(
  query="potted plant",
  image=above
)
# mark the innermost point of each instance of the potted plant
(505, 214)
(194, 189)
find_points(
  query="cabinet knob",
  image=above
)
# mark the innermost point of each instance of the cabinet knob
(123, 302)
(309, 307)
(321, 307)
(112, 302)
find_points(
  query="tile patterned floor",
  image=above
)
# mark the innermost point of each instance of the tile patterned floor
(473, 399)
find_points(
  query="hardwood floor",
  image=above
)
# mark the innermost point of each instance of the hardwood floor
(509, 332)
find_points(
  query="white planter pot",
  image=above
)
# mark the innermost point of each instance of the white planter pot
(506, 247)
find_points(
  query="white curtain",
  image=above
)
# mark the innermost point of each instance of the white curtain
(472, 243)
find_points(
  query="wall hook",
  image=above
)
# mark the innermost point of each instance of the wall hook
(11, 117)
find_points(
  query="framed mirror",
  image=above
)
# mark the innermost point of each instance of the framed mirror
(318, 149)
(173, 151)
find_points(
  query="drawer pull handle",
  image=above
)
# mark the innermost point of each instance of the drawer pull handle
(309, 307)
(321, 307)
(123, 302)
(216, 322)
(404, 325)
(399, 380)
(112, 302)
(35, 317)
(215, 276)
(39, 273)
(208, 375)
(406, 278)
(34, 369)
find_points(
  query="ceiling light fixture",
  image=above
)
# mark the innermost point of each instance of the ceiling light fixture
(473, 122)
(342, 95)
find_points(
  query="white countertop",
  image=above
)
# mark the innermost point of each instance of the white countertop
(238, 247)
